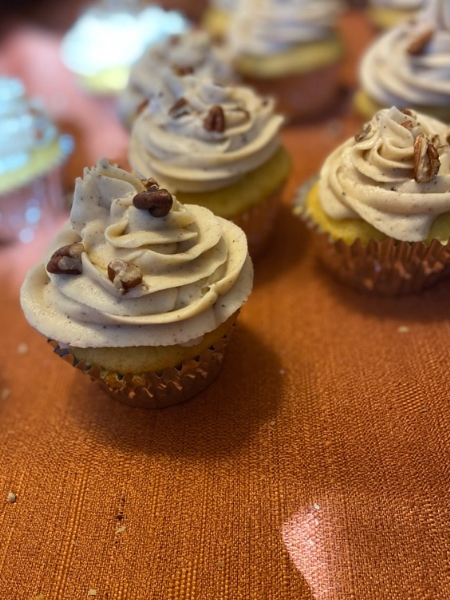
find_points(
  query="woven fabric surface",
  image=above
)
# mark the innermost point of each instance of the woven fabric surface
(315, 467)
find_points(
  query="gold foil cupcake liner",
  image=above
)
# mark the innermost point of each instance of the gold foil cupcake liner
(257, 223)
(168, 387)
(389, 267)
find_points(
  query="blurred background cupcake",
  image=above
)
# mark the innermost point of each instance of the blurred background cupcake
(380, 208)
(409, 66)
(110, 36)
(214, 146)
(31, 154)
(289, 49)
(385, 14)
(217, 17)
(193, 52)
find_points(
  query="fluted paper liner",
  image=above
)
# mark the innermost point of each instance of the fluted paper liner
(257, 223)
(390, 267)
(171, 386)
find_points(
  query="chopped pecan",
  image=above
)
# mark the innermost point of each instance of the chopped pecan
(141, 106)
(180, 108)
(149, 183)
(182, 70)
(408, 112)
(66, 260)
(426, 159)
(215, 119)
(124, 275)
(157, 201)
(359, 137)
(407, 125)
(420, 42)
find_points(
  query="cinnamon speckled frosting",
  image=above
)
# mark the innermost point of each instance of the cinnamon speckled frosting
(195, 269)
(268, 26)
(192, 51)
(410, 64)
(389, 176)
(172, 141)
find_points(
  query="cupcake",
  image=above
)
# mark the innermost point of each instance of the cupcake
(217, 17)
(31, 153)
(188, 53)
(408, 66)
(139, 291)
(380, 208)
(214, 146)
(290, 49)
(386, 14)
(110, 36)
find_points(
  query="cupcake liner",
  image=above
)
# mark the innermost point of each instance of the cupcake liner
(171, 386)
(257, 223)
(390, 267)
(301, 95)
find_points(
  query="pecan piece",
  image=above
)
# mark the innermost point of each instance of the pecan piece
(359, 137)
(66, 260)
(157, 201)
(141, 106)
(182, 70)
(408, 112)
(420, 42)
(124, 275)
(426, 159)
(179, 109)
(215, 119)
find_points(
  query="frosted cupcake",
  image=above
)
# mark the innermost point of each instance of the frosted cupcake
(289, 49)
(31, 152)
(409, 66)
(110, 36)
(190, 53)
(139, 291)
(386, 14)
(217, 17)
(215, 146)
(381, 205)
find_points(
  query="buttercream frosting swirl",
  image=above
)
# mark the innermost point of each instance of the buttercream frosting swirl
(270, 26)
(193, 51)
(399, 4)
(195, 269)
(393, 73)
(24, 126)
(372, 176)
(169, 140)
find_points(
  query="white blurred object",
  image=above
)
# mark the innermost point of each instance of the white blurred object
(114, 34)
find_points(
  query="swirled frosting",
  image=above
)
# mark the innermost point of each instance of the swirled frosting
(375, 176)
(171, 142)
(195, 269)
(24, 126)
(270, 26)
(399, 4)
(410, 64)
(193, 51)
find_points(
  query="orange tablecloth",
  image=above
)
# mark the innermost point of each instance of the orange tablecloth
(316, 467)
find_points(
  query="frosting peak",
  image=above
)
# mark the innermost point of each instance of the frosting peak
(395, 175)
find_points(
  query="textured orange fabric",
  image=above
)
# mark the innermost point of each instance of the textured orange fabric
(316, 467)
